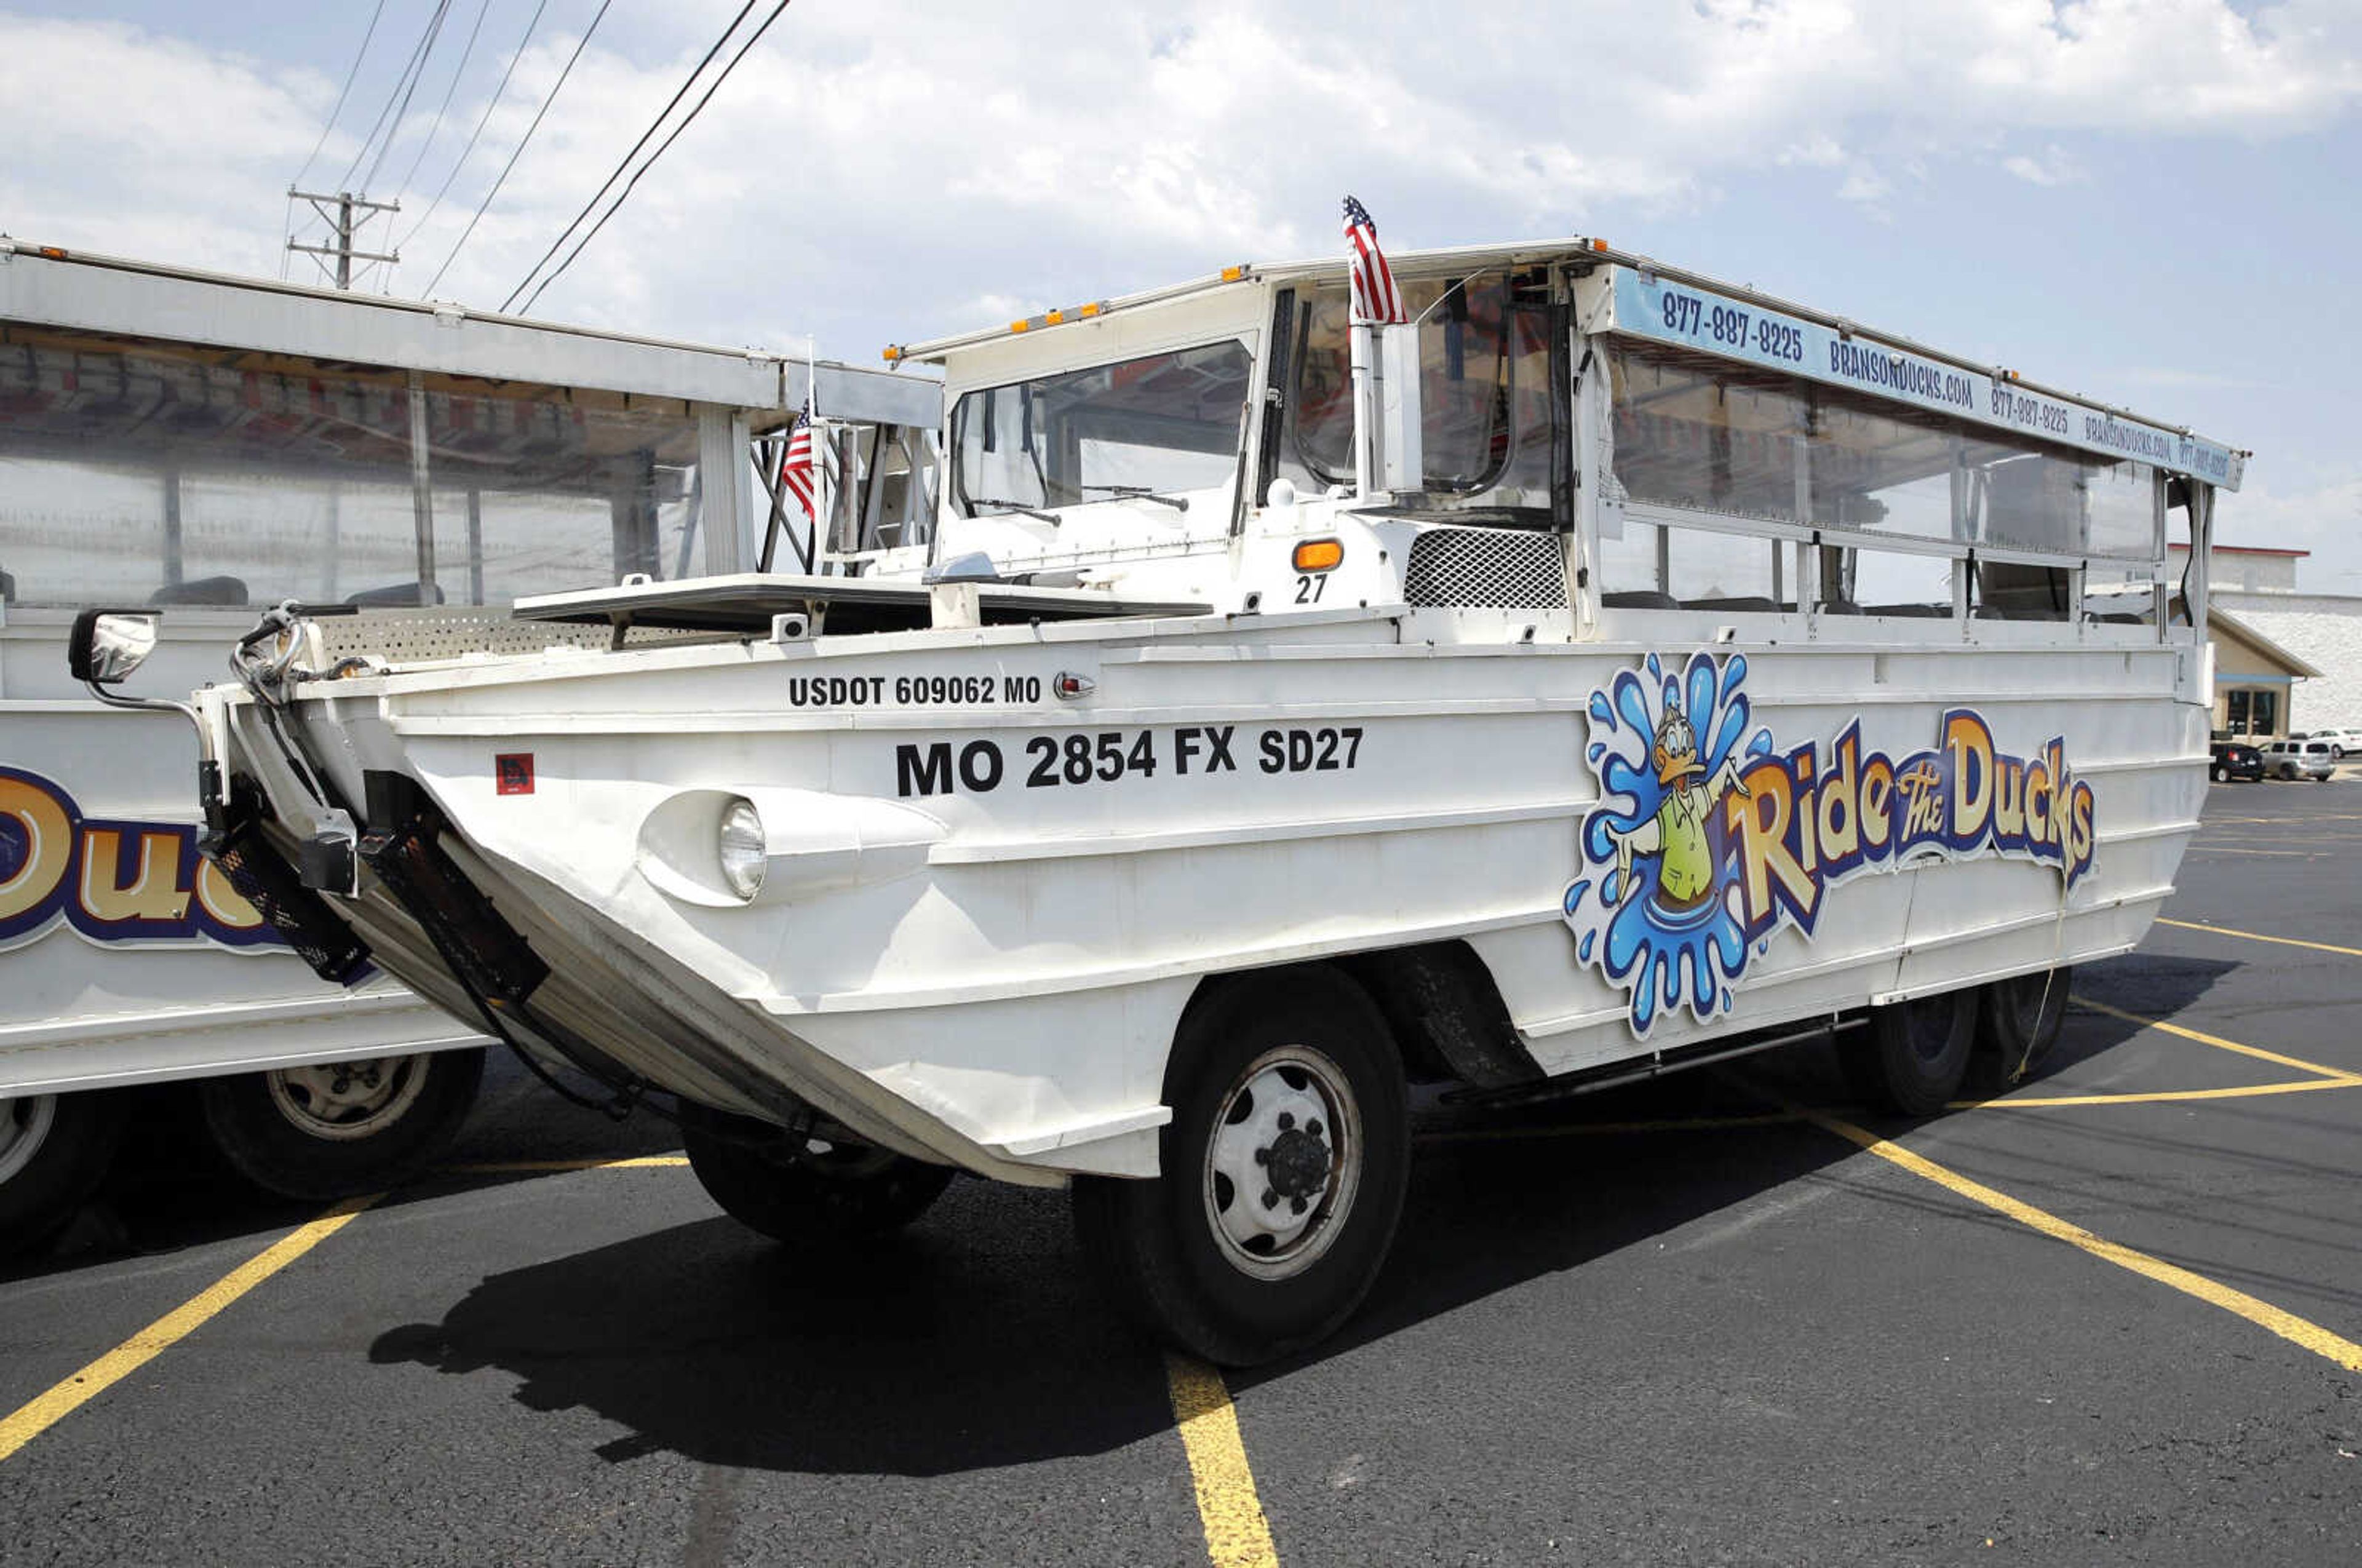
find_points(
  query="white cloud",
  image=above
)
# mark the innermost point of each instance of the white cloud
(2055, 167)
(923, 153)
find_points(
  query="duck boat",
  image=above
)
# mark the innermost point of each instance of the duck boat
(1238, 710)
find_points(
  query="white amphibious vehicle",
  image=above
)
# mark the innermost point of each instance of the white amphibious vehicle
(1609, 671)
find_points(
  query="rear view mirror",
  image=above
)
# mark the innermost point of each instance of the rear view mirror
(108, 645)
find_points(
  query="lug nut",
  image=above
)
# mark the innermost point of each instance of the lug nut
(1313, 1127)
(1286, 1119)
(1263, 1156)
(1298, 1203)
(1270, 1198)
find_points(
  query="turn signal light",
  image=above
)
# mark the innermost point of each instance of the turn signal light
(1319, 555)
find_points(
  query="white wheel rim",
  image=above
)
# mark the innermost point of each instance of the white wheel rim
(24, 1123)
(346, 1101)
(1282, 1164)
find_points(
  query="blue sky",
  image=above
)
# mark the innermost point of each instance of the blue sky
(2152, 202)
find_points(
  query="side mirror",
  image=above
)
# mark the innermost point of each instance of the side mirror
(108, 645)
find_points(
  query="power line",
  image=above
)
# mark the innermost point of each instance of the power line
(550, 98)
(410, 77)
(483, 7)
(662, 114)
(659, 152)
(490, 104)
(359, 55)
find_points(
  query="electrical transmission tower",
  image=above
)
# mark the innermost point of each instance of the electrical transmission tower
(343, 213)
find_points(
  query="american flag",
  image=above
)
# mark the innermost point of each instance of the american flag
(1376, 298)
(796, 468)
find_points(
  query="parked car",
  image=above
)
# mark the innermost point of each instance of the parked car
(2234, 759)
(2343, 743)
(2299, 759)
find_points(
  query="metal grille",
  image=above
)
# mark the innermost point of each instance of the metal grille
(1486, 569)
(414, 636)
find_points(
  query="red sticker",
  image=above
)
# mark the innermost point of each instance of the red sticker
(513, 772)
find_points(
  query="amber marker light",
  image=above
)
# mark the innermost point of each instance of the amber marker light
(1319, 555)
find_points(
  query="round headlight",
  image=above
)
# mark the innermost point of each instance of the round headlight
(744, 852)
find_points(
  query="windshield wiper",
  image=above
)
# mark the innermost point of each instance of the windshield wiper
(1141, 493)
(1050, 517)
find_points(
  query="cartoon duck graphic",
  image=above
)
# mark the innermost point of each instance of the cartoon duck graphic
(1677, 833)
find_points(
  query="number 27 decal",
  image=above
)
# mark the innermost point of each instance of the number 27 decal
(1307, 588)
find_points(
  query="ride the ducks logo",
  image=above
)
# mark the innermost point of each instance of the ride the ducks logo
(112, 881)
(1709, 838)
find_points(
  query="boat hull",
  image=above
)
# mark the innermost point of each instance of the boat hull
(986, 906)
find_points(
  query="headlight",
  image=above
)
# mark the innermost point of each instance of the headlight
(744, 852)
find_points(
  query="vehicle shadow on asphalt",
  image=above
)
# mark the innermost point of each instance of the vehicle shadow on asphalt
(976, 1341)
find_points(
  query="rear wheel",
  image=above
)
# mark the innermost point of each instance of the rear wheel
(54, 1149)
(343, 1128)
(809, 1191)
(2017, 1021)
(1915, 1055)
(1283, 1171)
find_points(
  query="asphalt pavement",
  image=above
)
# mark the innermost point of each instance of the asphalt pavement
(2110, 1317)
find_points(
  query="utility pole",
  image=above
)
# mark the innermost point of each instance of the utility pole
(338, 212)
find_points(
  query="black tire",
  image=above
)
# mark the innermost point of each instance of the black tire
(810, 1192)
(318, 1133)
(54, 1150)
(1914, 1056)
(2218, 775)
(2017, 1022)
(1168, 1250)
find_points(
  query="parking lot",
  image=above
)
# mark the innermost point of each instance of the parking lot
(2109, 1318)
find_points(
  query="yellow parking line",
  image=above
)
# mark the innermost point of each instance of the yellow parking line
(2295, 1329)
(1237, 1536)
(532, 1168)
(2340, 1074)
(2035, 1102)
(2260, 937)
(47, 1409)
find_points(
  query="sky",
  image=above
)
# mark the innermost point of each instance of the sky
(2153, 202)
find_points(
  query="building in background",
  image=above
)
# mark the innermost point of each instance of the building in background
(2254, 677)
(2249, 569)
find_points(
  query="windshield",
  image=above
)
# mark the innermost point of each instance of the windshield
(1154, 426)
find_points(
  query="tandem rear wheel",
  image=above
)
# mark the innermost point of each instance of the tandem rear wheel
(54, 1150)
(807, 1190)
(1914, 1056)
(342, 1128)
(2018, 1020)
(1283, 1171)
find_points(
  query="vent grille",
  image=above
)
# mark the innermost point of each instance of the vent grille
(417, 637)
(1486, 569)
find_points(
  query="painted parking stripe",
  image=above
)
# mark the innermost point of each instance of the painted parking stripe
(1237, 1535)
(545, 1167)
(47, 1409)
(2260, 937)
(2297, 1330)
(2338, 1074)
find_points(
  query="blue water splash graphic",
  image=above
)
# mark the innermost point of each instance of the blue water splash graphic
(1668, 953)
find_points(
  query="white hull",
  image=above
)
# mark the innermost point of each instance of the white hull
(997, 975)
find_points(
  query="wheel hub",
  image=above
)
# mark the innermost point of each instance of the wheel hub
(1297, 1162)
(1283, 1163)
(343, 1102)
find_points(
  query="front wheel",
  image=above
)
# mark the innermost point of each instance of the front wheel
(1282, 1173)
(805, 1190)
(54, 1149)
(1916, 1056)
(346, 1127)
